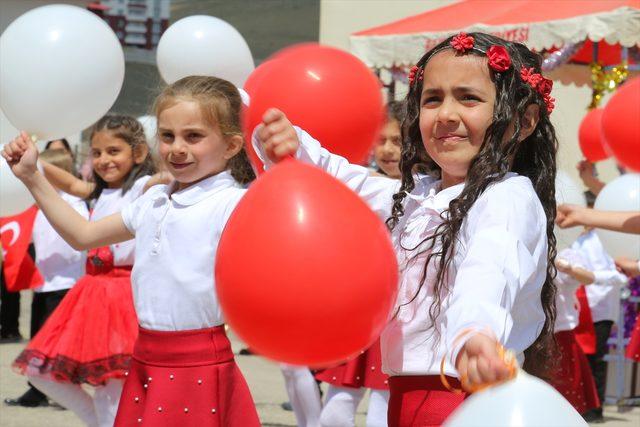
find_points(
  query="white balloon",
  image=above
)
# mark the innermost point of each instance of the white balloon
(61, 69)
(567, 191)
(14, 196)
(525, 401)
(621, 194)
(205, 46)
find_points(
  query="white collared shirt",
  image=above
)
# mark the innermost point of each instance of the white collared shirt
(177, 237)
(111, 201)
(604, 294)
(498, 269)
(60, 265)
(567, 305)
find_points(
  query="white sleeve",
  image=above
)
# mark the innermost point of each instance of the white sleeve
(132, 212)
(78, 204)
(574, 259)
(376, 191)
(609, 277)
(138, 186)
(505, 261)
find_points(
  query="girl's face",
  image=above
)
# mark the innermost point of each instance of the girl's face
(113, 158)
(191, 148)
(456, 108)
(387, 149)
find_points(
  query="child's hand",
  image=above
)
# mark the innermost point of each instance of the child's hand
(21, 154)
(563, 265)
(481, 364)
(277, 135)
(629, 267)
(570, 215)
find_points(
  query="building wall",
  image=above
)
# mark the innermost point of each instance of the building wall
(340, 18)
(138, 23)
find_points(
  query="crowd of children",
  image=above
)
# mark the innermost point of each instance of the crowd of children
(464, 173)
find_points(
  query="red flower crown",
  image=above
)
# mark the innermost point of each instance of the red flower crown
(499, 61)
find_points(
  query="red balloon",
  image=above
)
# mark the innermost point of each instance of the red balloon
(326, 91)
(255, 80)
(305, 272)
(590, 136)
(621, 124)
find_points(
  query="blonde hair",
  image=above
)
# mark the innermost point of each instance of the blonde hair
(59, 157)
(220, 104)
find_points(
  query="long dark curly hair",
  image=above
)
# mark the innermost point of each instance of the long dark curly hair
(534, 157)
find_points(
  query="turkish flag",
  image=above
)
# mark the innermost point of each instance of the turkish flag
(20, 272)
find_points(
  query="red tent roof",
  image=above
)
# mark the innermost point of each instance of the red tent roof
(541, 24)
(496, 13)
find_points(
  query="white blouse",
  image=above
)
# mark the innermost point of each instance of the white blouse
(567, 305)
(604, 294)
(60, 265)
(497, 274)
(112, 200)
(177, 237)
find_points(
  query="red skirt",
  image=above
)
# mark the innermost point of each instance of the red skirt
(89, 337)
(421, 400)
(362, 371)
(633, 348)
(185, 378)
(573, 378)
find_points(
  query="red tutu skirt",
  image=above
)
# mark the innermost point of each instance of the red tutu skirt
(362, 371)
(185, 378)
(573, 378)
(633, 348)
(421, 401)
(89, 337)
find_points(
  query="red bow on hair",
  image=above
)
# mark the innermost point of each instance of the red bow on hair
(529, 75)
(550, 102)
(462, 42)
(540, 84)
(499, 59)
(415, 73)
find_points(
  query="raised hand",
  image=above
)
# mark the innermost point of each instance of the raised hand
(277, 135)
(22, 155)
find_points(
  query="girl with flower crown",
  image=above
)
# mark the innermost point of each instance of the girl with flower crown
(474, 238)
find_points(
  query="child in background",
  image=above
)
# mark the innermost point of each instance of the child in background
(386, 151)
(572, 375)
(604, 301)
(89, 337)
(62, 144)
(60, 265)
(475, 243)
(183, 371)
